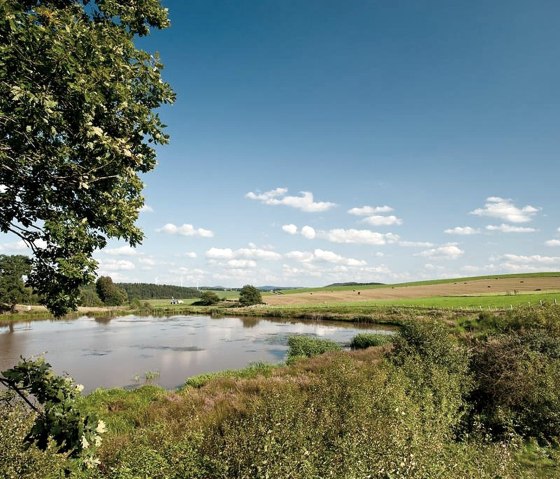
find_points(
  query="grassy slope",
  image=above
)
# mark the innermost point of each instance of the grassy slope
(419, 283)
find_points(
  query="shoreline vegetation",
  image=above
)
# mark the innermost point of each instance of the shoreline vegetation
(458, 392)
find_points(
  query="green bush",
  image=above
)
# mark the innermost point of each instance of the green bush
(517, 379)
(366, 340)
(306, 346)
(19, 460)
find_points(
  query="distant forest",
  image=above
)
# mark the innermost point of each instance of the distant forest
(157, 291)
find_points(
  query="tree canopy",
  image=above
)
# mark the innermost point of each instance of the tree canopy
(12, 287)
(77, 127)
(249, 295)
(109, 292)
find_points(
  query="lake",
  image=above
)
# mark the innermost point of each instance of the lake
(118, 352)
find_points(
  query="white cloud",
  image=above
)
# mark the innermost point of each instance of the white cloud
(146, 209)
(185, 230)
(219, 253)
(369, 210)
(377, 220)
(416, 244)
(121, 251)
(147, 261)
(241, 263)
(552, 242)
(242, 253)
(290, 229)
(504, 228)
(532, 259)
(190, 254)
(504, 209)
(305, 202)
(308, 232)
(15, 246)
(462, 230)
(446, 251)
(116, 265)
(355, 236)
(319, 255)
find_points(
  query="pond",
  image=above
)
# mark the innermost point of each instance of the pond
(122, 351)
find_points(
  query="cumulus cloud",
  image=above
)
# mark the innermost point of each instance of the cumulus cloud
(242, 253)
(504, 209)
(14, 246)
(190, 254)
(241, 263)
(319, 255)
(185, 230)
(377, 220)
(121, 251)
(462, 230)
(116, 265)
(146, 209)
(290, 229)
(505, 228)
(304, 202)
(339, 235)
(308, 232)
(552, 242)
(369, 210)
(446, 251)
(416, 244)
(531, 259)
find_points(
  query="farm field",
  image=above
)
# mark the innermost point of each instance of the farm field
(498, 291)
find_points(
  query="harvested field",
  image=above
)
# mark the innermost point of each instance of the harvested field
(497, 286)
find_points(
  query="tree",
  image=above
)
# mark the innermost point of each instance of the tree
(109, 292)
(208, 298)
(77, 127)
(12, 287)
(249, 295)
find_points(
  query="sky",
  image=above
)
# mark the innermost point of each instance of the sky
(329, 141)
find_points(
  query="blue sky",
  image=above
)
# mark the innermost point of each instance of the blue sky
(324, 141)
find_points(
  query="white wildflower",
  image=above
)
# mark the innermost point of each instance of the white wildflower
(85, 442)
(101, 427)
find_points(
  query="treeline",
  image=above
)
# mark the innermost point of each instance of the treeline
(157, 291)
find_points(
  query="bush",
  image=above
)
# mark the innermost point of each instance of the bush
(306, 346)
(208, 298)
(366, 340)
(249, 295)
(517, 377)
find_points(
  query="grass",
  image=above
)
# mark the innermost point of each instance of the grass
(419, 283)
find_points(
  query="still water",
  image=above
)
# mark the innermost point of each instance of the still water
(120, 351)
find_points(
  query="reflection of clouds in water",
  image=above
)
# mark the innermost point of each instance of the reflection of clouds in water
(177, 347)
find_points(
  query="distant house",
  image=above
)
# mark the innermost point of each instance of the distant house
(176, 301)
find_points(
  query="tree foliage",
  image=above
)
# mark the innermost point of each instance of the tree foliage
(58, 417)
(249, 295)
(12, 287)
(77, 127)
(109, 292)
(208, 298)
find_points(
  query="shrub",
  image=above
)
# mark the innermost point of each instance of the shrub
(306, 346)
(249, 295)
(517, 377)
(366, 340)
(208, 298)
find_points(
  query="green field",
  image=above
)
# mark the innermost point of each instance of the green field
(417, 283)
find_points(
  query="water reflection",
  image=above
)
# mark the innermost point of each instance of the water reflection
(109, 352)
